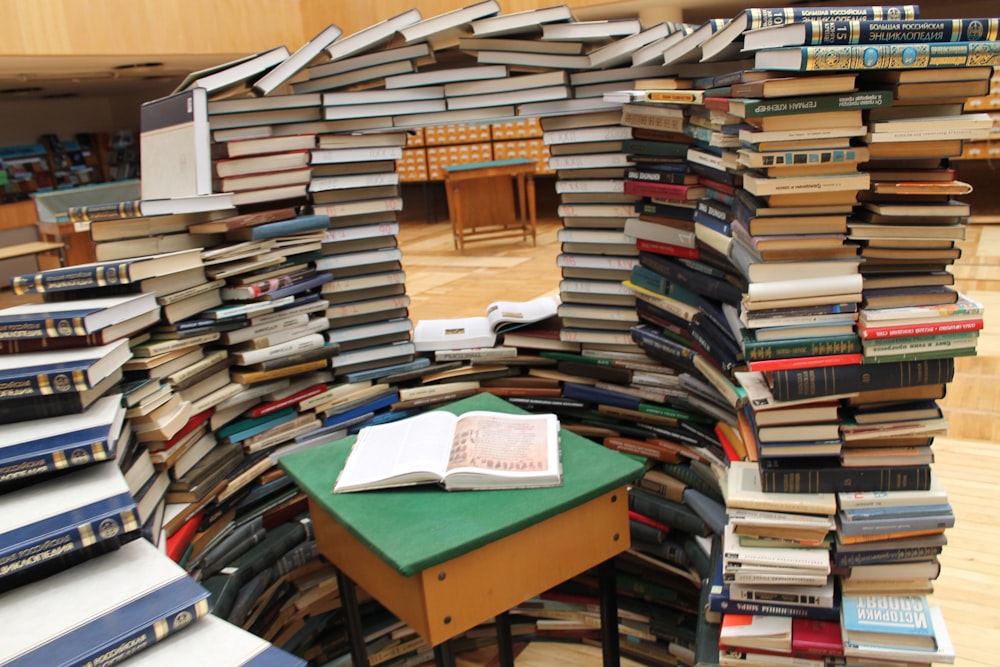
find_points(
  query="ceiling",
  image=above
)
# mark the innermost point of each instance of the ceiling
(48, 77)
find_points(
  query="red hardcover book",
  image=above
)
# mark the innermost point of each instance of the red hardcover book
(178, 543)
(642, 518)
(298, 397)
(664, 190)
(666, 249)
(927, 329)
(814, 637)
(727, 446)
(822, 361)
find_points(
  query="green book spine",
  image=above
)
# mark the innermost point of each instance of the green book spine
(864, 99)
(862, 57)
(800, 347)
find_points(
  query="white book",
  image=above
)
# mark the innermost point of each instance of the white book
(213, 642)
(510, 97)
(452, 116)
(372, 36)
(440, 77)
(590, 185)
(597, 30)
(519, 451)
(804, 287)
(619, 51)
(321, 183)
(653, 52)
(43, 522)
(814, 560)
(132, 596)
(513, 83)
(368, 354)
(362, 154)
(381, 96)
(583, 134)
(234, 73)
(354, 76)
(365, 331)
(344, 111)
(298, 345)
(174, 146)
(524, 59)
(295, 63)
(412, 52)
(515, 22)
(431, 28)
(364, 281)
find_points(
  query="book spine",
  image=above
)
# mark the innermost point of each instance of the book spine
(787, 385)
(809, 361)
(645, 448)
(882, 556)
(43, 382)
(896, 56)
(98, 212)
(804, 347)
(837, 32)
(646, 245)
(657, 148)
(675, 515)
(660, 190)
(724, 604)
(908, 331)
(52, 538)
(663, 348)
(868, 99)
(72, 278)
(169, 618)
(839, 479)
(764, 17)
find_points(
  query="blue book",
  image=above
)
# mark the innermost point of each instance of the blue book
(77, 317)
(302, 286)
(270, 230)
(384, 371)
(591, 394)
(111, 605)
(245, 428)
(103, 274)
(896, 524)
(373, 406)
(38, 446)
(60, 371)
(42, 523)
(899, 621)
(213, 642)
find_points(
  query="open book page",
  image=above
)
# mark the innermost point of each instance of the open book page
(409, 451)
(501, 450)
(506, 315)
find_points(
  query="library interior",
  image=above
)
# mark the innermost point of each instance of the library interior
(744, 260)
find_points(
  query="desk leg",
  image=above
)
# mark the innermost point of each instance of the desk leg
(531, 207)
(444, 656)
(355, 636)
(609, 613)
(505, 644)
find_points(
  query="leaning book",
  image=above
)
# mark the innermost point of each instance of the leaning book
(99, 611)
(477, 450)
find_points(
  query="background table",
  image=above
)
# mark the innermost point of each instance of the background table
(481, 199)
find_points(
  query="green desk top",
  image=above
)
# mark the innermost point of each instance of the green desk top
(466, 166)
(416, 527)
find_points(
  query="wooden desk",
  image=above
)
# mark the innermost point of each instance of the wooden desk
(446, 562)
(481, 199)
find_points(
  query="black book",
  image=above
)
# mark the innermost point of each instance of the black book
(676, 515)
(601, 372)
(791, 385)
(807, 475)
(29, 407)
(699, 283)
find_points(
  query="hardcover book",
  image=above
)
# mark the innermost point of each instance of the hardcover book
(477, 450)
(119, 602)
(60, 371)
(44, 524)
(78, 317)
(902, 621)
(501, 316)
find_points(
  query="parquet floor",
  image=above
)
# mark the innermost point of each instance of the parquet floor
(443, 282)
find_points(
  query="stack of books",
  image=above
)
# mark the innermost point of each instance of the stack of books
(83, 501)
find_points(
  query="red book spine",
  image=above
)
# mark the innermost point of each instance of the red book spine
(298, 397)
(717, 103)
(178, 543)
(793, 363)
(901, 330)
(727, 446)
(666, 249)
(642, 518)
(661, 190)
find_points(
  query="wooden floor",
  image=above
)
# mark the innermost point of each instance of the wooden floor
(443, 282)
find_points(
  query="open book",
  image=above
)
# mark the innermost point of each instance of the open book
(477, 450)
(466, 332)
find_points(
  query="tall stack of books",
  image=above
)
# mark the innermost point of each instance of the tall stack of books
(80, 488)
(829, 406)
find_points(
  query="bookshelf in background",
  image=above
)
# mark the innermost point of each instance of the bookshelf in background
(976, 164)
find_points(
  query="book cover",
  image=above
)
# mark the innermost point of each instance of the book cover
(110, 605)
(174, 143)
(890, 620)
(922, 55)
(60, 371)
